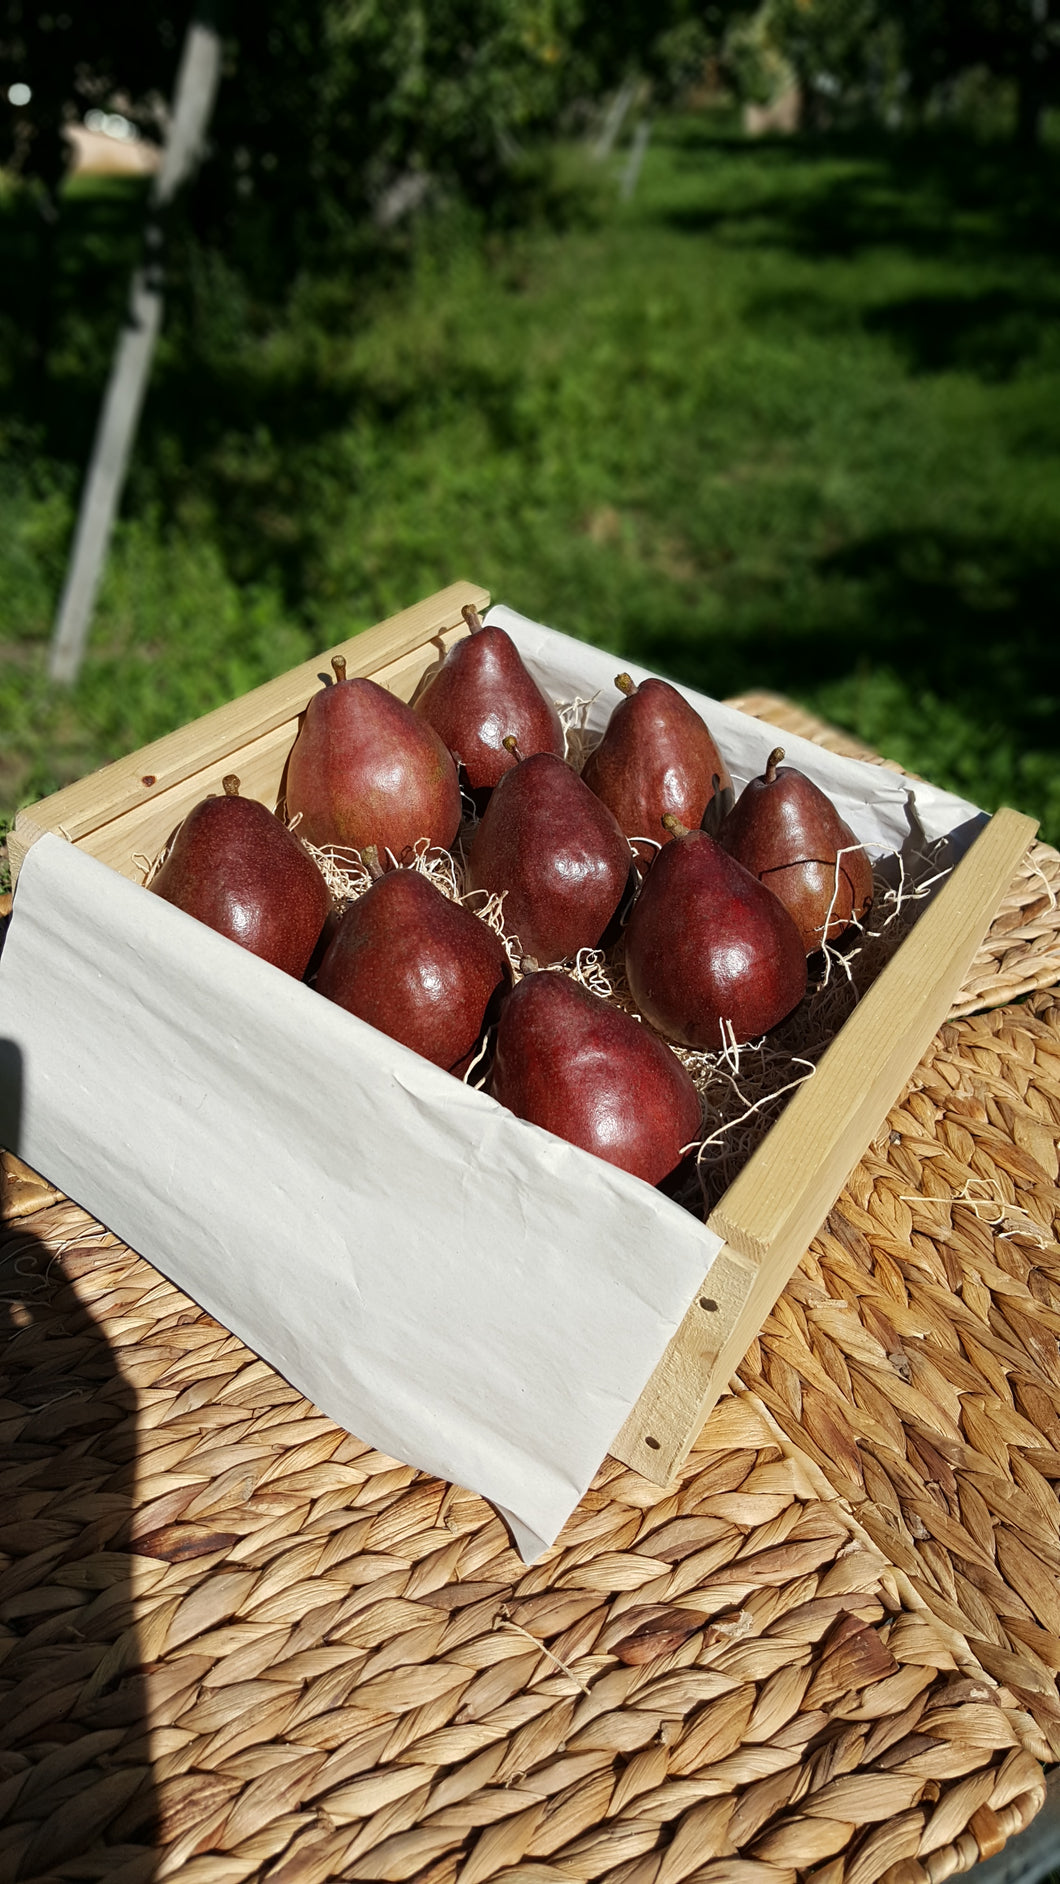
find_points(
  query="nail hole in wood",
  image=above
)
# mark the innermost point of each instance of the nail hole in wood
(653, 1443)
(706, 1302)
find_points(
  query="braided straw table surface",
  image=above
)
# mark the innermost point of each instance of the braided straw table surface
(237, 1643)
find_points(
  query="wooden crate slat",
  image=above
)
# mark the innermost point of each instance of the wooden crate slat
(137, 835)
(771, 1212)
(661, 1428)
(787, 1188)
(774, 1208)
(141, 832)
(402, 676)
(103, 796)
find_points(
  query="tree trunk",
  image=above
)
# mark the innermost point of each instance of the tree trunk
(44, 321)
(50, 165)
(1030, 104)
(1031, 78)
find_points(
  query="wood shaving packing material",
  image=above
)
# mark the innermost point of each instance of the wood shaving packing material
(1021, 952)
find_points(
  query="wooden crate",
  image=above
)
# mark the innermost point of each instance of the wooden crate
(772, 1210)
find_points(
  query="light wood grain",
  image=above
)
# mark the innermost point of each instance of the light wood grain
(658, 1434)
(136, 836)
(394, 652)
(140, 833)
(787, 1188)
(771, 1212)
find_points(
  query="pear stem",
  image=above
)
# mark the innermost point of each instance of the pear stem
(626, 684)
(370, 859)
(338, 662)
(772, 762)
(511, 744)
(674, 825)
(472, 617)
(231, 785)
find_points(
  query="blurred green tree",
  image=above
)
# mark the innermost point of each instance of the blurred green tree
(847, 56)
(878, 50)
(324, 105)
(867, 57)
(664, 41)
(339, 109)
(1015, 40)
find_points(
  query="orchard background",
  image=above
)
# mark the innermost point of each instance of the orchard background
(778, 410)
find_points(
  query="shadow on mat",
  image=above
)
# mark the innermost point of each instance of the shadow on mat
(77, 1797)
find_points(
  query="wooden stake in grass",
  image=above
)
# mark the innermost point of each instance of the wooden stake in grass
(196, 88)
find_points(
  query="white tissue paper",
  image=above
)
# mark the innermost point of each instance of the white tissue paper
(460, 1289)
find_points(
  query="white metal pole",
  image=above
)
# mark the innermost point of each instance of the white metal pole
(196, 89)
(637, 149)
(615, 117)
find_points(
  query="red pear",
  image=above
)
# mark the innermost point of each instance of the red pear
(481, 693)
(556, 853)
(789, 835)
(235, 867)
(578, 1066)
(656, 757)
(708, 946)
(416, 965)
(365, 769)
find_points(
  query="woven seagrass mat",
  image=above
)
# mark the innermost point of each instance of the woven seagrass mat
(236, 1643)
(1021, 950)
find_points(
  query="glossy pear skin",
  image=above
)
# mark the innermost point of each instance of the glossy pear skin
(482, 693)
(707, 943)
(788, 834)
(417, 966)
(657, 756)
(365, 769)
(235, 867)
(583, 1069)
(556, 851)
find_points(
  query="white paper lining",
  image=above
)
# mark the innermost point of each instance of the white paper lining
(461, 1289)
(885, 811)
(465, 1291)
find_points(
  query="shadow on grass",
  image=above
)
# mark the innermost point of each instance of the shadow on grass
(262, 440)
(995, 333)
(255, 436)
(930, 195)
(63, 296)
(272, 457)
(968, 620)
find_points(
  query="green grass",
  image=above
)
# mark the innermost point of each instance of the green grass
(789, 419)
